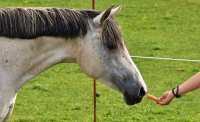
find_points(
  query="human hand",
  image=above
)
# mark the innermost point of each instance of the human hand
(166, 98)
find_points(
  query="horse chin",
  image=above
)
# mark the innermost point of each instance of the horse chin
(131, 100)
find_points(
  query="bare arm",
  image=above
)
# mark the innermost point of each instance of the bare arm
(190, 84)
(187, 86)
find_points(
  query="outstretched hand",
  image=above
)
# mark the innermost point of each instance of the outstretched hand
(166, 98)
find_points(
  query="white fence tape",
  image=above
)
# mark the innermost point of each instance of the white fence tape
(166, 58)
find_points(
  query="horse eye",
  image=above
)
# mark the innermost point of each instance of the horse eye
(108, 43)
(111, 47)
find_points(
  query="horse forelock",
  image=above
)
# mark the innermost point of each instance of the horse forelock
(32, 23)
(111, 35)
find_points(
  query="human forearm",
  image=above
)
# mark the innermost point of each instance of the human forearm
(190, 84)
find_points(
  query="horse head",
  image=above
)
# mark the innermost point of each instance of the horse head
(104, 56)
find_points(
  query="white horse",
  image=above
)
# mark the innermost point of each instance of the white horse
(32, 40)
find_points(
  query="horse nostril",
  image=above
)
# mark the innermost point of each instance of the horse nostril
(142, 92)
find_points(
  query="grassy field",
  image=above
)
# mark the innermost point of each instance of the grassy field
(166, 28)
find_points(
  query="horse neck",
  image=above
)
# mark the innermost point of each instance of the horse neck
(36, 55)
(60, 49)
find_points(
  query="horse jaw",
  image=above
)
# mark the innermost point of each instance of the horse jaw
(88, 58)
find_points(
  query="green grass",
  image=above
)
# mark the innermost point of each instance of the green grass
(166, 28)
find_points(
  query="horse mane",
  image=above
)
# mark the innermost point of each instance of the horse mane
(32, 23)
(27, 23)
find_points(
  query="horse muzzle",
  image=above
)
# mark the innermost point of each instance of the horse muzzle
(132, 99)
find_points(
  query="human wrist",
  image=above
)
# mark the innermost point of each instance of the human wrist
(171, 94)
(176, 92)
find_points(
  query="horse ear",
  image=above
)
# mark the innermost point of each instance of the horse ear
(106, 14)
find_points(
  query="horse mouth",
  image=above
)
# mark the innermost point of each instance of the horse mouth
(130, 100)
